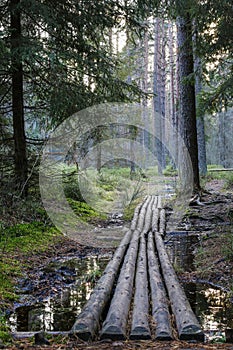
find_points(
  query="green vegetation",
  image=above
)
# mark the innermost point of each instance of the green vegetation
(170, 171)
(5, 336)
(24, 239)
(84, 211)
(227, 176)
(27, 238)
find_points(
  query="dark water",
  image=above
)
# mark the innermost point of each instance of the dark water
(58, 314)
(212, 306)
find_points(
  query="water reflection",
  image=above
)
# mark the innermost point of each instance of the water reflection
(180, 247)
(212, 307)
(59, 314)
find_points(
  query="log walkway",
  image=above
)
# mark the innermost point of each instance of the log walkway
(138, 295)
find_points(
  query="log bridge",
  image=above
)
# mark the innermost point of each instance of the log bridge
(139, 295)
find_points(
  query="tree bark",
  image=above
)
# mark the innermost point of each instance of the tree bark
(200, 119)
(187, 103)
(20, 153)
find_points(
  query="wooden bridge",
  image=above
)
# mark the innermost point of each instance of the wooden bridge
(139, 295)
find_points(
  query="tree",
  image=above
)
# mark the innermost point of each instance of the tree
(187, 103)
(61, 62)
(21, 166)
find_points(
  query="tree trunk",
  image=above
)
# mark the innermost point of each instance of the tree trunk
(159, 91)
(156, 97)
(20, 154)
(187, 104)
(173, 94)
(200, 120)
(144, 87)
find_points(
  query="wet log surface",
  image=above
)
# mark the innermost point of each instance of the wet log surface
(140, 276)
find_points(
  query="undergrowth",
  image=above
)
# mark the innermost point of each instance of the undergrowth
(227, 176)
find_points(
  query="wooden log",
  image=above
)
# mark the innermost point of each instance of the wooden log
(155, 220)
(187, 324)
(155, 204)
(134, 222)
(140, 325)
(114, 327)
(87, 322)
(223, 169)
(147, 216)
(159, 204)
(160, 310)
(162, 222)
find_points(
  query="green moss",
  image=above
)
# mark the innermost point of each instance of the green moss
(22, 238)
(27, 238)
(84, 211)
(9, 269)
(5, 336)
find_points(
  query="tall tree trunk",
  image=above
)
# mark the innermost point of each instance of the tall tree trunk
(21, 166)
(157, 96)
(173, 93)
(162, 89)
(200, 120)
(187, 103)
(144, 87)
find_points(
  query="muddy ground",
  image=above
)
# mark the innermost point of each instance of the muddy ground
(213, 219)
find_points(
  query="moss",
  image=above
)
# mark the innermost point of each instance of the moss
(84, 211)
(27, 238)
(5, 335)
(9, 269)
(23, 239)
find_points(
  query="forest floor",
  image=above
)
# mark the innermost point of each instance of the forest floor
(213, 261)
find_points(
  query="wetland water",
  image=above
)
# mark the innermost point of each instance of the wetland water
(211, 305)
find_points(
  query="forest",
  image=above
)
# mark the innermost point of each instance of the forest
(104, 102)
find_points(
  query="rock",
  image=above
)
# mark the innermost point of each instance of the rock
(40, 339)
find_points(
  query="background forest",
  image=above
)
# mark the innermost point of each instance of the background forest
(58, 57)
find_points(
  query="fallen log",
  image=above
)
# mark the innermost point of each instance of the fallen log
(155, 220)
(140, 324)
(114, 327)
(87, 322)
(162, 222)
(187, 324)
(160, 310)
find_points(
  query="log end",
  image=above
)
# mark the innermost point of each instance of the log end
(192, 333)
(163, 336)
(112, 332)
(140, 332)
(81, 331)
